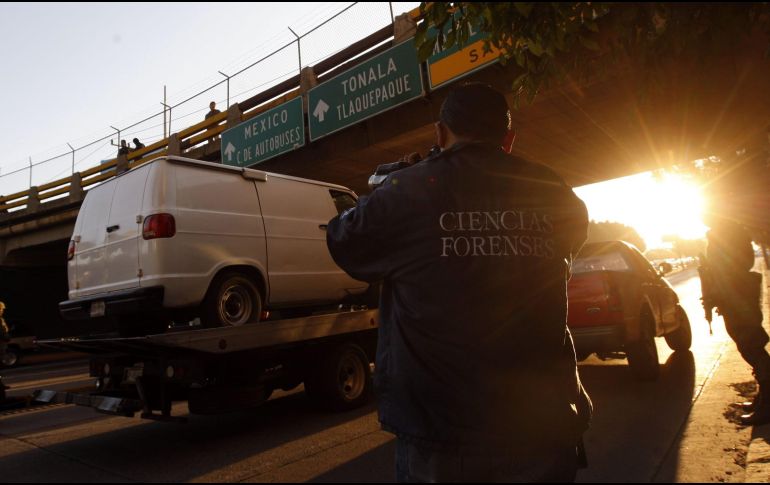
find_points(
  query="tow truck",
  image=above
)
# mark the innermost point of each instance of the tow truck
(228, 368)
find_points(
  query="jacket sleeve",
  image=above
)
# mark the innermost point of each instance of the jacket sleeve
(359, 239)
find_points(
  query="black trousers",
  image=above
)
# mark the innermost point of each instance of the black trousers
(744, 325)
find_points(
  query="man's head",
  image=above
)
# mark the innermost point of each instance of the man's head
(136, 141)
(123, 143)
(473, 112)
(212, 105)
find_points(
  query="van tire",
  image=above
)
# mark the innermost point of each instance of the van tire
(233, 299)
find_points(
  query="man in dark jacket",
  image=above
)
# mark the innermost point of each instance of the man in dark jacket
(475, 368)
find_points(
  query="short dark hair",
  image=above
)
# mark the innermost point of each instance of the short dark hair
(476, 111)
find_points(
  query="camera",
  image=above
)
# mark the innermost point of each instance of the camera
(382, 171)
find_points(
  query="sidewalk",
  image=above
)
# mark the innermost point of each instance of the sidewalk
(758, 458)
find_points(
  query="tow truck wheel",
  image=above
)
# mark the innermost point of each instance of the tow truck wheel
(342, 381)
(681, 338)
(233, 300)
(643, 354)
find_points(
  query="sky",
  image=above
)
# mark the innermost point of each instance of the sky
(70, 71)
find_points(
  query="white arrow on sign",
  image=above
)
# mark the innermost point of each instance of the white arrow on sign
(320, 110)
(229, 151)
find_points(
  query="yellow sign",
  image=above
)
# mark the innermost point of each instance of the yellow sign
(449, 65)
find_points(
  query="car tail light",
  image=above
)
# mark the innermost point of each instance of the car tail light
(71, 250)
(158, 225)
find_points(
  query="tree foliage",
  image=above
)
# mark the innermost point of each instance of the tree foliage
(550, 42)
(612, 231)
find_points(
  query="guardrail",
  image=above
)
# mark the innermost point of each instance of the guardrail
(193, 136)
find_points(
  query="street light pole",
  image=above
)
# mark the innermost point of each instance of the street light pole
(228, 88)
(299, 49)
(164, 119)
(73, 158)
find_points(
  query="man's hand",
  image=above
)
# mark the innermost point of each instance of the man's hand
(411, 158)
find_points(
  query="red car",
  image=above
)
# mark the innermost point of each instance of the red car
(619, 302)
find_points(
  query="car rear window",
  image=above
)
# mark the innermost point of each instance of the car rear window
(612, 261)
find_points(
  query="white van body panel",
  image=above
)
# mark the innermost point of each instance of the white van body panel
(224, 216)
(300, 267)
(218, 225)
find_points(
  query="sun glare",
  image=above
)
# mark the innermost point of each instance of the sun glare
(669, 205)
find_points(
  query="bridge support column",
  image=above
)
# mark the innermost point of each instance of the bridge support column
(76, 187)
(174, 147)
(307, 81)
(33, 199)
(404, 28)
(121, 164)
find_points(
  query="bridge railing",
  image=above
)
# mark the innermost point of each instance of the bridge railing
(193, 136)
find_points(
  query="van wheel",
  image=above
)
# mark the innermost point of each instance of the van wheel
(233, 300)
(681, 338)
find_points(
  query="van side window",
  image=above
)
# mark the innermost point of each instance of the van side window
(342, 200)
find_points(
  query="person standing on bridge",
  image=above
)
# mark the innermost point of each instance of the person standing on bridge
(213, 111)
(736, 292)
(138, 144)
(124, 148)
(475, 366)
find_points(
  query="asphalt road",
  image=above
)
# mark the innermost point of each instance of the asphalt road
(668, 430)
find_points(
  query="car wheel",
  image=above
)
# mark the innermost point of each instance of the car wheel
(233, 300)
(643, 354)
(11, 357)
(342, 381)
(681, 338)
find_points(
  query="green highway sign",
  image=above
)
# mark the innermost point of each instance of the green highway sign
(379, 84)
(276, 131)
(445, 66)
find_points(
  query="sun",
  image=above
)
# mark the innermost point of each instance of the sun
(657, 207)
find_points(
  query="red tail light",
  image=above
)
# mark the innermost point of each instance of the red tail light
(71, 250)
(158, 225)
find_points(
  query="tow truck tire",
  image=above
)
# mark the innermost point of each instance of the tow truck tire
(232, 300)
(342, 381)
(643, 354)
(681, 338)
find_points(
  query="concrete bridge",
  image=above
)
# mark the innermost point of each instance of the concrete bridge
(588, 131)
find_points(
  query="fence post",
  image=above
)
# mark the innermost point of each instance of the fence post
(404, 28)
(307, 81)
(234, 114)
(76, 187)
(33, 199)
(174, 147)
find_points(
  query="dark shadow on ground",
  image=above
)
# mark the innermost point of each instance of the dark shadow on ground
(155, 451)
(635, 423)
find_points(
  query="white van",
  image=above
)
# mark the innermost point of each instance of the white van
(178, 238)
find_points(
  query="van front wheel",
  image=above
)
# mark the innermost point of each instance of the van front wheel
(233, 300)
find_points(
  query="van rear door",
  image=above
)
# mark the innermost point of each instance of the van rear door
(86, 269)
(123, 231)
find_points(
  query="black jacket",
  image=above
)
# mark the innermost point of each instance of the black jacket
(473, 248)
